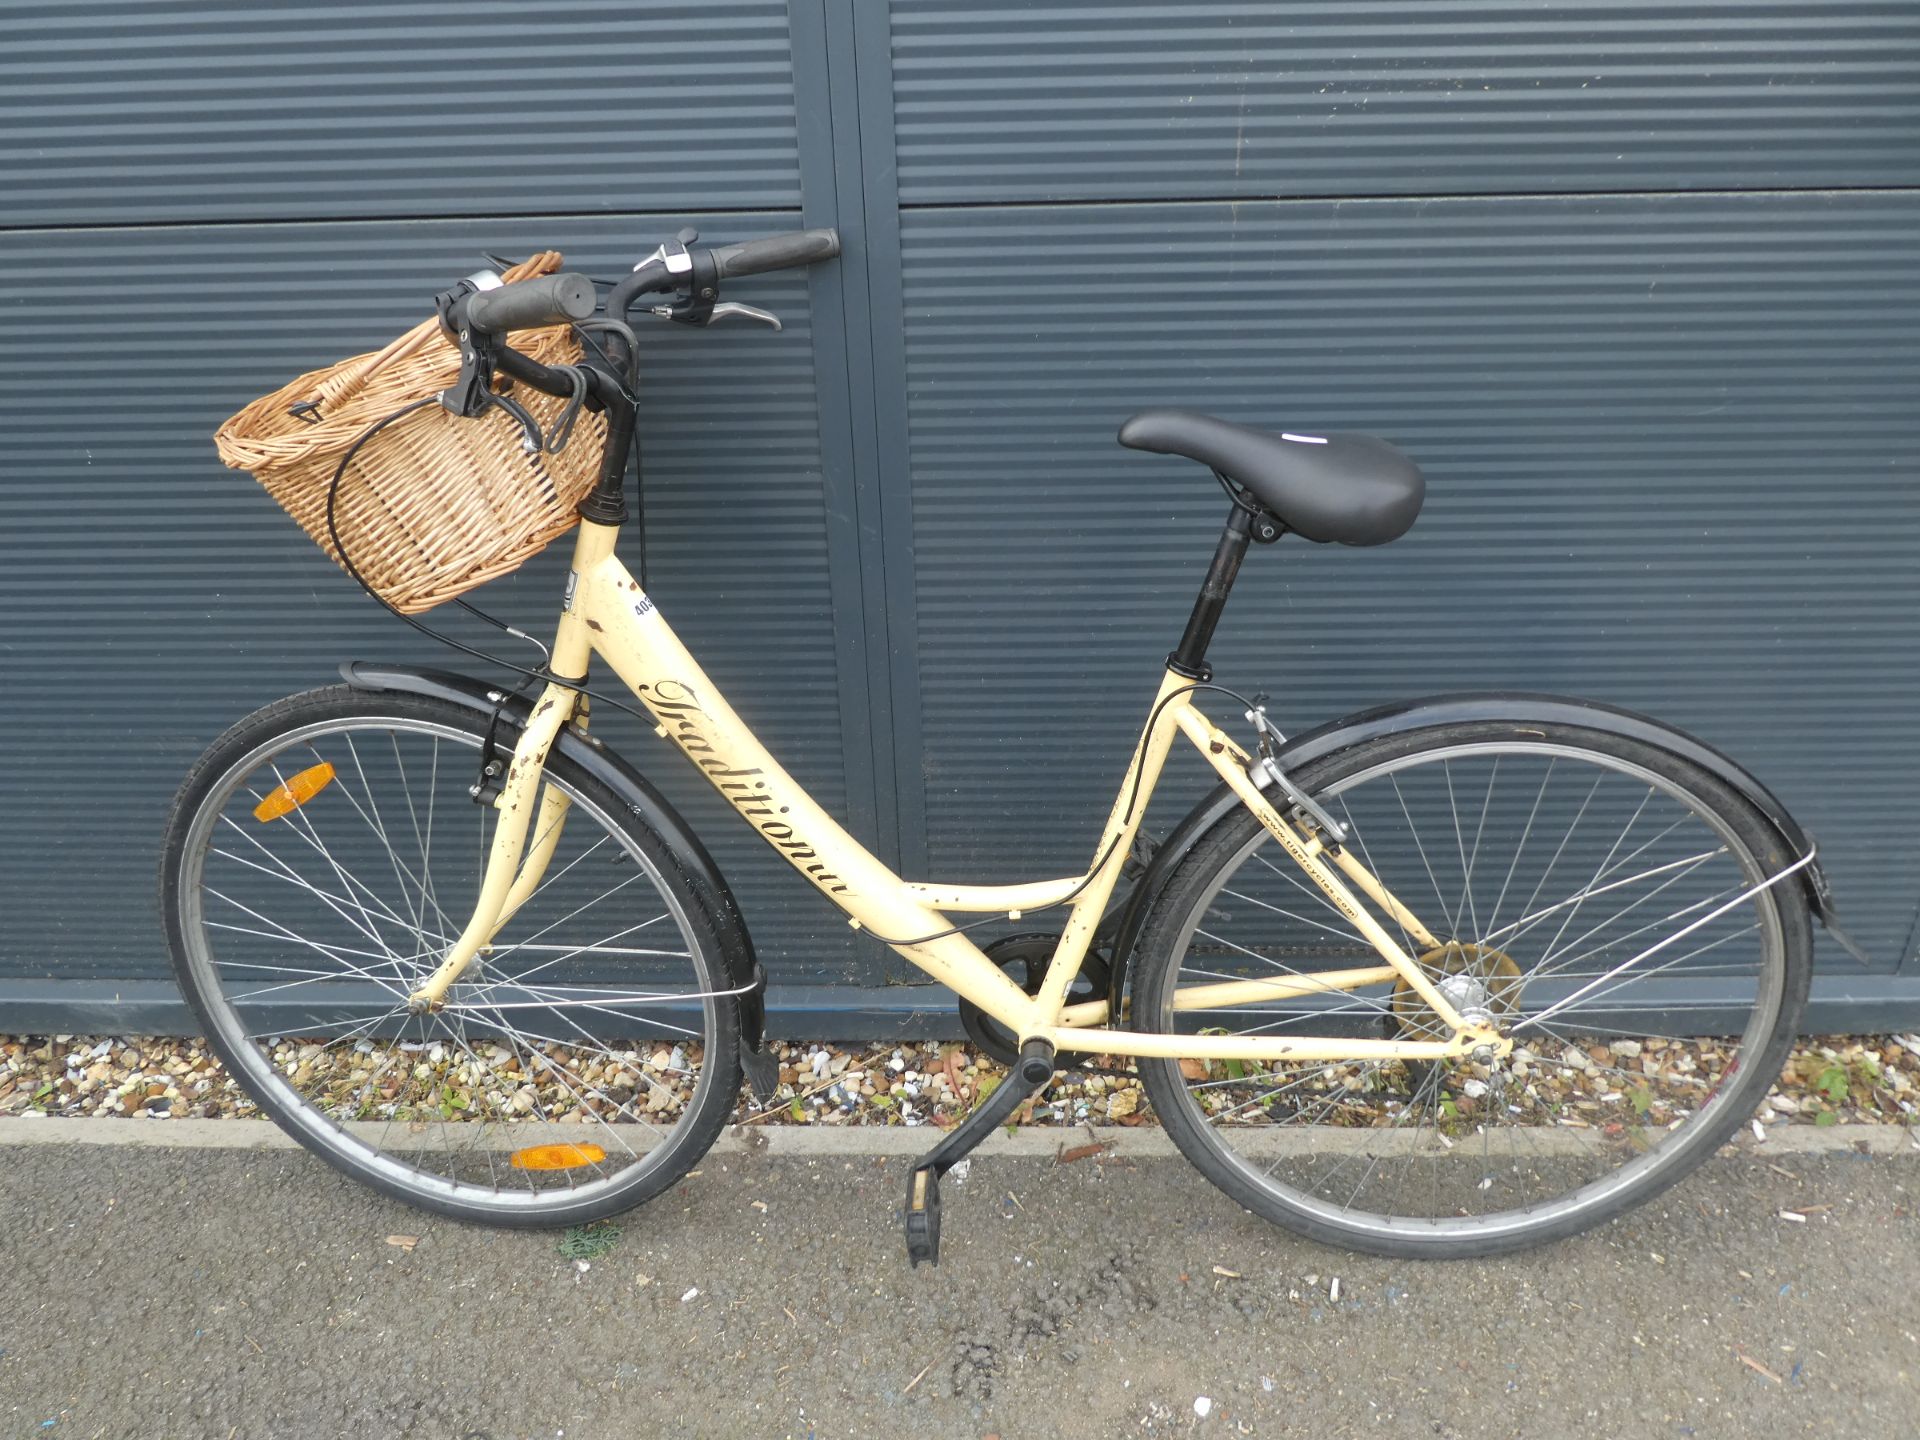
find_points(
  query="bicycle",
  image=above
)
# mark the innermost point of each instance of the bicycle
(549, 1023)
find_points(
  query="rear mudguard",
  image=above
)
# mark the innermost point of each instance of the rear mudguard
(638, 794)
(1123, 925)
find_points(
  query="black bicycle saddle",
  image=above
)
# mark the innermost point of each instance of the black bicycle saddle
(1349, 489)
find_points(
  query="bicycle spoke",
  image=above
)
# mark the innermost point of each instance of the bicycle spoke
(1305, 889)
(1466, 905)
(1366, 857)
(593, 1045)
(1561, 1005)
(479, 1140)
(302, 823)
(1413, 831)
(566, 1083)
(317, 994)
(363, 925)
(378, 826)
(1606, 860)
(1281, 966)
(1519, 849)
(423, 842)
(283, 933)
(1530, 921)
(299, 881)
(592, 947)
(1560, 849)
(1551, 965)
(1278, 910)
(1591, 1090)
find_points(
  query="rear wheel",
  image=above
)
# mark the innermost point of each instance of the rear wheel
(1601, 902)
(321, 859)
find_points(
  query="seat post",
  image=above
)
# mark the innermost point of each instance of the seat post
(1190, 657)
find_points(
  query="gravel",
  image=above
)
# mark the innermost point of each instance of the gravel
(1827, 1080)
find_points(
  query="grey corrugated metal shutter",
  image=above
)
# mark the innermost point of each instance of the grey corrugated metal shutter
(1669, 434)
(1650, 479)
(1003, 101)
(152, 596)
(1633, 280)
(168, 113)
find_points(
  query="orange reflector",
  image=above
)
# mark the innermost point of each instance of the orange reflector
(285, 799)
(557, 1157)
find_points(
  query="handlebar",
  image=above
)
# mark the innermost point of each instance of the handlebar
(664, 272)
(776, 252)
(560, 299)
(530, 304)
(604, 379)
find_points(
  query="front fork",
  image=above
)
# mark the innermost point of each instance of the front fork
(514, 870)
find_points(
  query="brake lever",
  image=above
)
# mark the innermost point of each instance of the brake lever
(725, 310)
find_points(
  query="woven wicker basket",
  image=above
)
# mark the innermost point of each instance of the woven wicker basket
(434, 504)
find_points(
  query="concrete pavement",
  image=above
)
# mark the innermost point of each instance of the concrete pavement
(183, 1287)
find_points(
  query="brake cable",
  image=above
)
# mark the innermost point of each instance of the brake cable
(546, 674)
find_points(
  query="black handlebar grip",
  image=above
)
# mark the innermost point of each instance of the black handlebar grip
(529, 304)
(776, 252)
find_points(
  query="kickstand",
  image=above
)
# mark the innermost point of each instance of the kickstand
(1027, 1079)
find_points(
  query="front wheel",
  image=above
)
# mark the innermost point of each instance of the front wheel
(324, 855)
(1602, 902)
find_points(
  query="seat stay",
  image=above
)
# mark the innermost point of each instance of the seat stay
(1233, 763)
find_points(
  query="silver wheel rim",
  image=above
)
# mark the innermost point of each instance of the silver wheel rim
(1346, 1157)
(500, 1024)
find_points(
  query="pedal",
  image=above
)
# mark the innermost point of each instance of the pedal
(923, 1216)
(1027, 1078)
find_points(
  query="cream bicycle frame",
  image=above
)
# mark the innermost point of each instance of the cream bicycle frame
(607, 613)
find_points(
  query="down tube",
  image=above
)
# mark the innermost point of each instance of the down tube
(634, 638)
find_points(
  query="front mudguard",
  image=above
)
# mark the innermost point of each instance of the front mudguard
(638, 794)
(1123, 925)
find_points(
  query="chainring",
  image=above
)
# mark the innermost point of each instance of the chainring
(1024, 959)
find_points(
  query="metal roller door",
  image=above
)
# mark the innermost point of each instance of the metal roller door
(1635, 282)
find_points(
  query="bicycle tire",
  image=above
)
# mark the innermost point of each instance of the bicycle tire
(568, 1060)
(1191, 901)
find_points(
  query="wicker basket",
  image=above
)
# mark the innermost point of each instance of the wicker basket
(434, 504)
